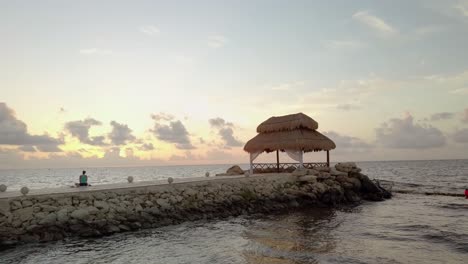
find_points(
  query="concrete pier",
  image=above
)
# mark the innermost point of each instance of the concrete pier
(53, 214)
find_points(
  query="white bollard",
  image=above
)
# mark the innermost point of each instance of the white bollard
(24, 190)
(170, 180)
(130, 179)
(3, 188)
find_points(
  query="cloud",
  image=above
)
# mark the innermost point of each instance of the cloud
(218, 122)
(225, 131)
(162, 116)
(404, 134)
(187, 156)
(347, 143)
(442, 116)
(175, 132)
(465, 116)
(146, 147)
(80, 129)
(149, 30)
(227, 134)
(15, 132)
(348, 107)
(461, 136)
(27, 148)
(217, 41)
(120, 134)
(375, 23)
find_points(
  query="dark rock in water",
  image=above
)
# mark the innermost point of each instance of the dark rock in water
(372, 191)
(352, 197)
(235, 170)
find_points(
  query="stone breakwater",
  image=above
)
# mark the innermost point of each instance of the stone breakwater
(104, 212)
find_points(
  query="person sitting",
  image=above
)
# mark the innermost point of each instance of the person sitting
(84, 179)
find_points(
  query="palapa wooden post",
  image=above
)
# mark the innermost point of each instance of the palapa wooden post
(328, 158)
(277, 161)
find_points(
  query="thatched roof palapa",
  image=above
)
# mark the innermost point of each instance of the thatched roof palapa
(287, 122)
(289, 132)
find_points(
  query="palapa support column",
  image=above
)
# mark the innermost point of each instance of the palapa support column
(277, 161)
(328, 158)
(301, 162)
(251, 165)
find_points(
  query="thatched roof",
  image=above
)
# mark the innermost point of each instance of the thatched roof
(287, 123)
(299, 139)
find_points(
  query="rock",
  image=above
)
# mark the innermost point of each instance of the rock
(102, 206)
(336, 172)
(62, 216)
(3, 188)
(124, 228)
(112, 229)
(16, 205)
(207, 174)
(80, 214)
(48, 208)
(84, 213)
(235, 170)
(345, 166)
(27, 203)
(355, 182)
(325, 169)
(164, 204)
(312, 172)
(24, 214)
(307, 178)
(49, 220)
(299, 172)
(323, 175)
(130, 179)
(170, 180)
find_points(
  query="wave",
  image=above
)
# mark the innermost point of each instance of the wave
(421, 189)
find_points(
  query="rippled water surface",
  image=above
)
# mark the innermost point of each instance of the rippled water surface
(410, 228)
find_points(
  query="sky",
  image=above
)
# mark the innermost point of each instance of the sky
(142, 83)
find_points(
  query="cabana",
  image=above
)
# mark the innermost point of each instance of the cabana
(294, 134)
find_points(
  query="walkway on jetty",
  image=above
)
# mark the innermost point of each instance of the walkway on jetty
(116, 186)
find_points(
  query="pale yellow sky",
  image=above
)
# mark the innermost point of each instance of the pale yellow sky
(383, 84)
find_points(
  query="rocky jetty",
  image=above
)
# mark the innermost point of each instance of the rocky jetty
(90, 214)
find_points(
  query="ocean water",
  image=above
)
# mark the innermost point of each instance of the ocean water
(415, 226)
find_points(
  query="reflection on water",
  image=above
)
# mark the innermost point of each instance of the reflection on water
(406, 229)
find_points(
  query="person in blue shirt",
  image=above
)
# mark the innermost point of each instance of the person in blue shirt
(84, 179)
